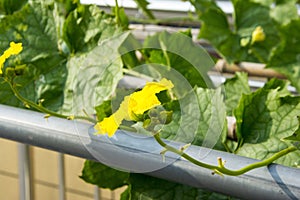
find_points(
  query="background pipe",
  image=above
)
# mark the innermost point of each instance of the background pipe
(131, 151)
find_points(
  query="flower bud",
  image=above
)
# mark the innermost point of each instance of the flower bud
(258, 35)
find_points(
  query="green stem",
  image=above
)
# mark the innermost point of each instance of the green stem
(117, 13)
(221, 168)
(174, 20)
(42, 109)
(137, 74)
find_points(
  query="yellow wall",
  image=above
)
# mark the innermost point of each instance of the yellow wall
(45, 175)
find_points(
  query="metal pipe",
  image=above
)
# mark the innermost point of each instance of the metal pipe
(130, 151)
(25, 178)
(96, 193)
(61, 176)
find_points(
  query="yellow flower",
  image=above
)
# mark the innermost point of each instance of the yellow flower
(146, 99)
(135, 104)
(14, 49)
(258, 35)
(109, 125)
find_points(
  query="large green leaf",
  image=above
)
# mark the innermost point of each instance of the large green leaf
(296, 135)
(86, 26)
(234, 88)
(295, 139)
(146, 187)
(93, 77)
(285, 58)
(216, 29)
(234, 42)
(44, 78)
(46, 72)
(212, 130)
(285, 11)
(142, 186)
(247, 14)
(103, 176)
(207, 113)
(177, 51)
(263, 119)
(279, 20)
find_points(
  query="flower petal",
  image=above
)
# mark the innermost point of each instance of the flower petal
(14, 49)
(135, 104)
(108, 126)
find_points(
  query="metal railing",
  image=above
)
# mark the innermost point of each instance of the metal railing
(28, 127)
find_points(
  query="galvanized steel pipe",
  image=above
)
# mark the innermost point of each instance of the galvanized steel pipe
(127, 150)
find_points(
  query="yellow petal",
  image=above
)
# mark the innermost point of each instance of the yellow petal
(146, 99)
(108, 126)
(258, 35)
(124, 108)
(156, 87)
(134, 104)
(14, 49)
(142, 101)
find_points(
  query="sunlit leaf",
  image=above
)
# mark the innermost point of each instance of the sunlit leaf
(234, 88)
(263, 119)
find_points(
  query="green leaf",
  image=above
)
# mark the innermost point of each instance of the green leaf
(247, 14)
(234, 88)
(204, 5)
(234, 42)
(207, 113)
(128, 52)
(8, 7)
(263, 118)
(146, 187)
(143, 4)
(285, 58)
(295, 138)
(280, 85)
(296, 135)
(178, 51)
(212, 129)
(45, 77)
(264, 150)
(285, 11)
(103, 176)
(67, 6)
(34, 26)
(103, 110)
(86, 26)
(93, 77)
(216, 29)
(279, 20)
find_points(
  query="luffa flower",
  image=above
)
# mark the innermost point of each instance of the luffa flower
(135, 104)
(258, 35)
(14, 49)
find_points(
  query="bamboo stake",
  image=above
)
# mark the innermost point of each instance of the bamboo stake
(253, 69)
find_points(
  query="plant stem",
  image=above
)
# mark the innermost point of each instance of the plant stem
(42, 109)
(221, 169)
(137, 74)
(117, 13)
